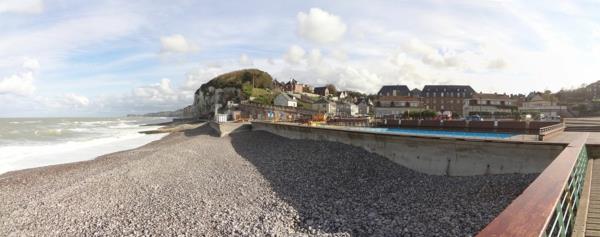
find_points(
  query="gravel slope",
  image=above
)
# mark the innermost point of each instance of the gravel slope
(250, 184)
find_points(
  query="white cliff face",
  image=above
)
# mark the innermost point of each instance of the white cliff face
(205, 102)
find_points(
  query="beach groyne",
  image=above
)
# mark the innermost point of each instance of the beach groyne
(434, 155)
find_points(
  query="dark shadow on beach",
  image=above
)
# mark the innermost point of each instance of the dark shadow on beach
(340, 188)
(205, 130)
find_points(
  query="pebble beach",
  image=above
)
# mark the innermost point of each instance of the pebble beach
(194, 183)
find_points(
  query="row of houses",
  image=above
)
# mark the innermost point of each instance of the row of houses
(332, 106)
(296, 87)
(457, 100)
(460, 100)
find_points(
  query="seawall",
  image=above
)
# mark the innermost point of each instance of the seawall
(434, 155)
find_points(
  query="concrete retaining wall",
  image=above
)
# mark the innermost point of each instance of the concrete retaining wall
(434, 155)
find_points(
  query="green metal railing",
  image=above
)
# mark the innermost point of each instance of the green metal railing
(561, 222)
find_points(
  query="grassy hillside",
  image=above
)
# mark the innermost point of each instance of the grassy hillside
(261, 96)
(236, 79)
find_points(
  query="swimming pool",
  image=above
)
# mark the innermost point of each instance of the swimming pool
(440, 133)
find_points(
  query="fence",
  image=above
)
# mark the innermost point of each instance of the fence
(549, 205)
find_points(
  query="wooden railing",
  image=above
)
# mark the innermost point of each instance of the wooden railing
(549, 205)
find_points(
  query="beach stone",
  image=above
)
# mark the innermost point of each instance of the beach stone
(194, 183)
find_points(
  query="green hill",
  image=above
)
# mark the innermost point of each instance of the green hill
(237, 79)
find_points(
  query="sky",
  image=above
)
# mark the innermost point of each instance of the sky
(111, 58)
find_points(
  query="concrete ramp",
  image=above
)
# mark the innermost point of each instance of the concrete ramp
(224, 129)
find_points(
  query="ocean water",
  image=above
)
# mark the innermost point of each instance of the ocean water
(34, 142)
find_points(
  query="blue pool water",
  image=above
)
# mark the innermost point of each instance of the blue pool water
(440, 133)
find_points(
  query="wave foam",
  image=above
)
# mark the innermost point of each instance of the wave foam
(30, 156)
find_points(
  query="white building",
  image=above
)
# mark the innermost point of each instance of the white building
(489, 104)
(397, 105)
(536, 102)
(284, 99)
(325, 106)
(364, 106)
(346, 109)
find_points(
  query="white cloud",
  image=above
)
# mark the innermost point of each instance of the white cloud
(497, 64)
(314, 57)
(31, 64)
(398, 58)
(160, 96)
(55, 41)
(173, 44)
(195, 78)
(74, 100)
(161, 91)
(295, 54)
(430, 55)
(245, 60)
(320, 26)
(21, 84)
(358, 79)
(21, 6)
(339, 54)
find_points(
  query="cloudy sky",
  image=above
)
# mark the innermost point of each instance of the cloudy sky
(110, 58)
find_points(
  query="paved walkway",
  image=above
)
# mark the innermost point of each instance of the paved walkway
(567, 137)
(592, 225)
(587, 222)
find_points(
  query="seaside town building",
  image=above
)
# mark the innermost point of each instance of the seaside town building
(284, 99)
(489, 104)
(323, 105)
(364, 106)
(293, 86)
(342, 95)
(415, 92)
(394, 90)
(397, 105)
(346, 109)
(322, 91)
(443, 98)
(546, 107)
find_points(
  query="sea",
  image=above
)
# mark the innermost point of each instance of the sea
(35, 142)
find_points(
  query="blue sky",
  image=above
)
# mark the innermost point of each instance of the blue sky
(110, 58)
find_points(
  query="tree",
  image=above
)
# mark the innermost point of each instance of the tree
(247, 77)
(331, 88)
(306, 89)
